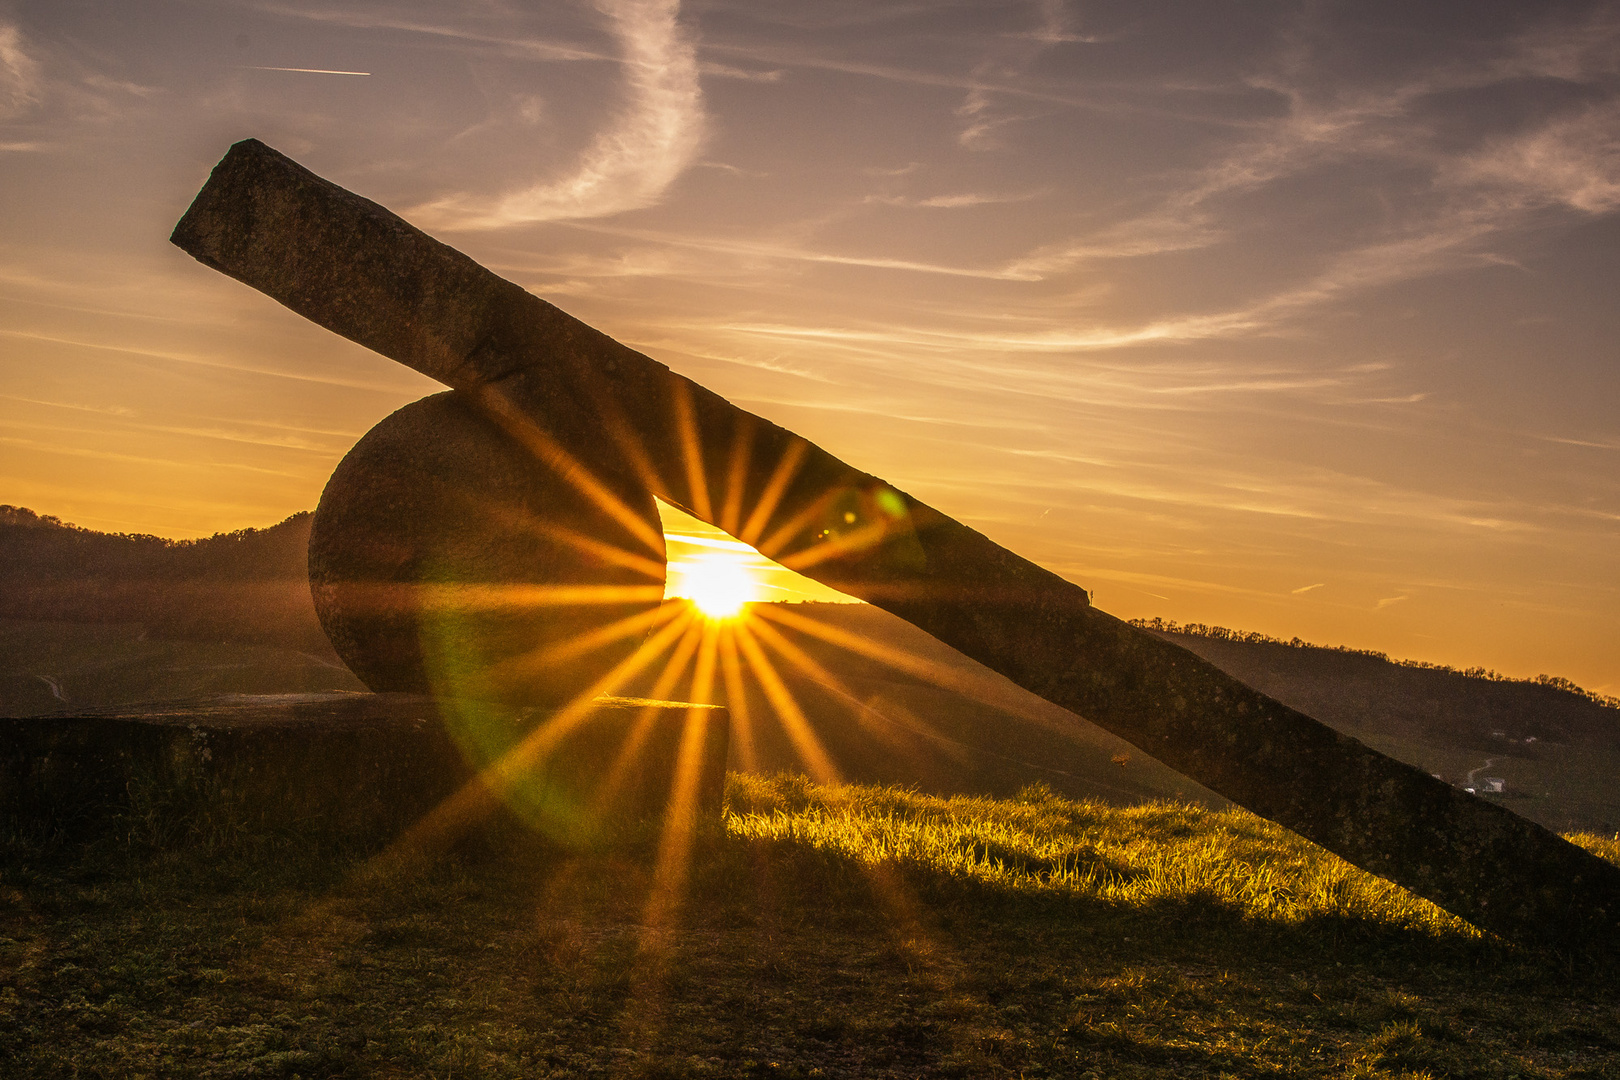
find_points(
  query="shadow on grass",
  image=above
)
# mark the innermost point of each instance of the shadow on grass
(825, 932)
(843, 891)
(1037, 865)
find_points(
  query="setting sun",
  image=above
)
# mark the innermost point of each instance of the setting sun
(718, 584)
(720, 573)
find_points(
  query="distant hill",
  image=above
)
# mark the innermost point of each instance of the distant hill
(1377, 696)
(1554, 747)
(90, 618)
(245, 586)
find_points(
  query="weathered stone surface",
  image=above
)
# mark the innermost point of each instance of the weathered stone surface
(447, 558)
(359, 270)
(364, 766)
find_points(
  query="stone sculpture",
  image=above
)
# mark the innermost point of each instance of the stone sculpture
(359, 270)
(447, 558)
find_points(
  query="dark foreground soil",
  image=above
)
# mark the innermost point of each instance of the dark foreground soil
(771, 954)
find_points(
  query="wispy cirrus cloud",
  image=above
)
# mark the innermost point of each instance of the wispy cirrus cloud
(525, 46)
(19, 73)
(1009, 58)
(631, 163)
(1176, 228)
(1455, 202)
(773, 250)
(957, 201)
(46, 87)
(1458, 196)
(1057, 340)
(1571, 161)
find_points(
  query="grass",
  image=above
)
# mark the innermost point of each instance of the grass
(825, 931)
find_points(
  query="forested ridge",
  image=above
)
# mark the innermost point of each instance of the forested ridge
(249, 585)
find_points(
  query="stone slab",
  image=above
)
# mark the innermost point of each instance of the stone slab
(363, 766)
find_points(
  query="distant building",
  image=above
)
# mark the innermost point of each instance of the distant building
(1492, 785)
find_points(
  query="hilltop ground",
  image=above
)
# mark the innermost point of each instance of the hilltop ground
(825, 933)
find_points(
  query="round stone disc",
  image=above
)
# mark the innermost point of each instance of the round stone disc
(447, 559)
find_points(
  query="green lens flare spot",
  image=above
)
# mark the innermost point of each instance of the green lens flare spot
(890, 502)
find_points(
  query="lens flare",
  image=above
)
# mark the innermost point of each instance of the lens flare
(718, 584)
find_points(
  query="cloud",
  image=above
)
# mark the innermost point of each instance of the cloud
(1427, 141)
(69, 449)
(109, 410)
(19, 74)
(1174, 229)
(1306, 588)
(528, 47)
(633, 161)
(952, 202)
(903, 170)
(1054, 28)
(1009, 58)
(57, 87)
(1573, 161)
(768, 249)
(410, 383)
(1588, 444)
(1191, 328)
(726, 71)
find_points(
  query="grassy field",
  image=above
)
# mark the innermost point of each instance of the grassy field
(850, 931)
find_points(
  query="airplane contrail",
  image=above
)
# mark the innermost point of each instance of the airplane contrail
(306, 71)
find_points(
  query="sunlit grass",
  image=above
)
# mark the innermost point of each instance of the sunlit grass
(1606, 847)
(1043, 844)
(1037, 937)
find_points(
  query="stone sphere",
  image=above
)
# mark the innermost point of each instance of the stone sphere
(447, 559)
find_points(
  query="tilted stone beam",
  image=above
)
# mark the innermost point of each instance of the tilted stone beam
(592, 404)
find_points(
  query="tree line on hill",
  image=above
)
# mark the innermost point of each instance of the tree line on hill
(1254, 637)
(250, 585)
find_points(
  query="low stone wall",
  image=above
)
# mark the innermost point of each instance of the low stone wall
(363, 766)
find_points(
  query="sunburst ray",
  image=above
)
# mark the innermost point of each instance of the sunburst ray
(982, 687)
(476, 596)
(835, 546)
(521, 521)
(799, 730)
(616, 631)
(765, 506)
(742, 449)
(680, 818)
(642, 727)
(742, 726)
(479, 797)
(547, 449)
(697, 478)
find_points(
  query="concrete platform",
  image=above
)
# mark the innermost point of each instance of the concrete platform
(353, 765)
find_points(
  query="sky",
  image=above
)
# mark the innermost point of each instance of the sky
(1295, 317)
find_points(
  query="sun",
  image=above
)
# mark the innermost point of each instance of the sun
(718, 584)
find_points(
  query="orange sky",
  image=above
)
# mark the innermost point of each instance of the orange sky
(1287, 317)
